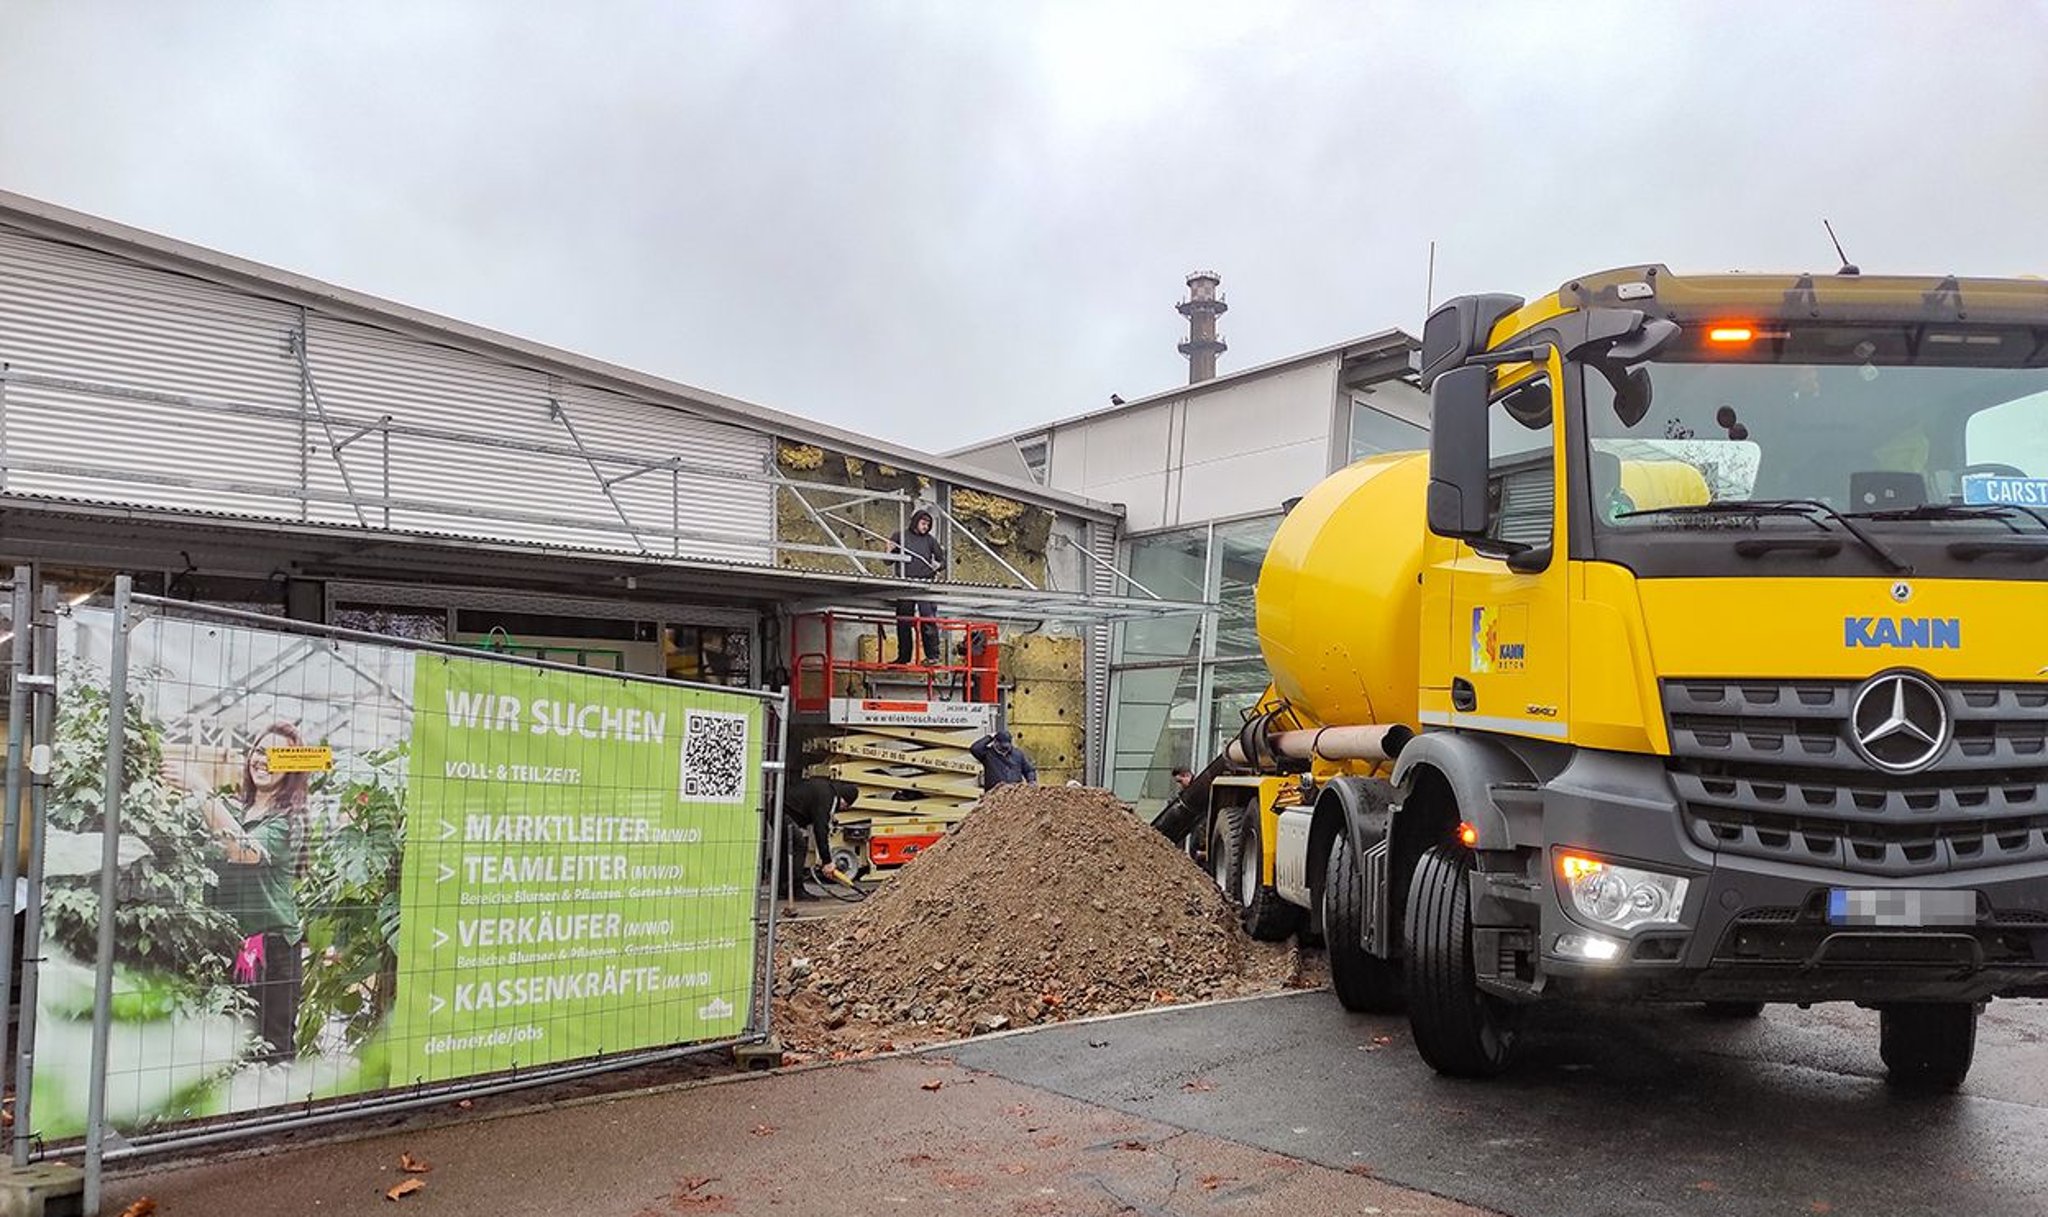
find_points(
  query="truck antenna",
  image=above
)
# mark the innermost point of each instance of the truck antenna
(1429, 282)
(1848, 267)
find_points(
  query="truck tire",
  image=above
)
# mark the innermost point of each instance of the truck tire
(1267, 917)
(1225, 828)
(1365, 983)
(1927, 1046)
(1460, 1031)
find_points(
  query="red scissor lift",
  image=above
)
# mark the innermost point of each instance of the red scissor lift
(831, 663)
(900, 732)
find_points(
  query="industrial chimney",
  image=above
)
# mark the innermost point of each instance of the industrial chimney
(1203, 305)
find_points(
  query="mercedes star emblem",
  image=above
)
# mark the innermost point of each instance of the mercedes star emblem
(1900, 722)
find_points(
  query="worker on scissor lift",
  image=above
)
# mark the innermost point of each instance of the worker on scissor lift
(922, 561)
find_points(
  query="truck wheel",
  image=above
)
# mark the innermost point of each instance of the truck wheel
(1734, 1009)
(1927, 1045)
(1224, 830)
(1267, 917)
(1459, 1030)
(1365, 983)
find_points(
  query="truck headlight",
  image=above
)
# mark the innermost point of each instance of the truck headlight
(1619, 897)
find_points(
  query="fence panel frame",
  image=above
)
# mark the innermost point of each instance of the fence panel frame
(102, 1142)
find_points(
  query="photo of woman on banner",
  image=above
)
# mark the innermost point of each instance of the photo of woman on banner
(260, 830)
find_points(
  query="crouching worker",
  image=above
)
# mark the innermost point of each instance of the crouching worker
(807, 810)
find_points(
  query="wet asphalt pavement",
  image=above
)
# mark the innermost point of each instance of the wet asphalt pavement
(1608, 1112)
(1278, 1106)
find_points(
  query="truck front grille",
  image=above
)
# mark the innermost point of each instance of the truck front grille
(1770, 770)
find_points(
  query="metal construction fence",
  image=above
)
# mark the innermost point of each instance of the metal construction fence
(278, 874)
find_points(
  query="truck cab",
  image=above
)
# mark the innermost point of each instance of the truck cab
(1729, 680)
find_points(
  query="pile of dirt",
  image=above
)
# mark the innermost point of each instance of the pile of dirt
(1046, 903)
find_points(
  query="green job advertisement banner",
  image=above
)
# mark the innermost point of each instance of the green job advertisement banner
(346, 866)
(579, 874)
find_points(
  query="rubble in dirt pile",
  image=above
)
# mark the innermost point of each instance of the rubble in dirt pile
(1046, 903)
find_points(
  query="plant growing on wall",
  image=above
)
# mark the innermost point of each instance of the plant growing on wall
(164, 922)
(350, 898)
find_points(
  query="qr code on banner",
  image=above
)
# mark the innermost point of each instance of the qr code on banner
(714, 757)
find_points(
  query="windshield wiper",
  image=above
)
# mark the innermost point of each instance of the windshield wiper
(1803, 508)
(2002, 512)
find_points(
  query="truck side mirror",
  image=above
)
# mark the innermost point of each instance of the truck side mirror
(1457, 504)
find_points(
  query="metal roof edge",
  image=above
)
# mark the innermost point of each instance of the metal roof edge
(121, 240)
(1382, 340)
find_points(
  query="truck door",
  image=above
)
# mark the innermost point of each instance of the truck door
(1507, 644)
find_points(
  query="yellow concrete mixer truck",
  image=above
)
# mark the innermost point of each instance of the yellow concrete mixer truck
(1703, 658)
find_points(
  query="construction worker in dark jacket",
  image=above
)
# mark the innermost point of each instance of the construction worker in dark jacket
(1003, 763)
(922, 561)
(807, 808)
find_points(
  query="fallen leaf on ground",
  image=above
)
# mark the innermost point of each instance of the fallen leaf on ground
(1198, 1084)
(1820, 1206)
(934, 1084)
(1211, 1182)
(763, 1130)
(407, 1188)
(1133, 1145)
(695, 1183)
(141, 1208)
(1360, 1169)
(1706, 1185)
(414, 1166)
(464, 1105)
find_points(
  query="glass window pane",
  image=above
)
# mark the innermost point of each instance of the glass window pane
(1375, 431)
(1155, 730)
(1234, 690)
(1173, 566)
(1240, 549)
(1519, 437)
(2013, 435)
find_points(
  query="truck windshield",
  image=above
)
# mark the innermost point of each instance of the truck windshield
(1910, 429)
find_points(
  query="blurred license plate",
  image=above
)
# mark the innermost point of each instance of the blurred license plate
(1897, 907)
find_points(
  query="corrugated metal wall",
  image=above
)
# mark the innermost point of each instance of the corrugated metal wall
(69, 313)
(1102, 542)
(713, 510)
(473, 447)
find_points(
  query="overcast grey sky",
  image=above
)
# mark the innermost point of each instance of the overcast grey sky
(937, 222)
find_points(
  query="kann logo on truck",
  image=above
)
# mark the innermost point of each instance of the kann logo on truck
(1903, 633)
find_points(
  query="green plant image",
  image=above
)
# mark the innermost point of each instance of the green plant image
(350, 895)
(164, 923)
(180, 1022)
(186, 1043)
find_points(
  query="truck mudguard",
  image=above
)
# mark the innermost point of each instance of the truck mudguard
(1475, 767)
(1358, 807)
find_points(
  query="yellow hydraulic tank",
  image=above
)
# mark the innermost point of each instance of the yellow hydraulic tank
(1340, 597)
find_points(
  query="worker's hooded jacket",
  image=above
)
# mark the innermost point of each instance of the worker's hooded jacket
(926, 559)
(1002, 762)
